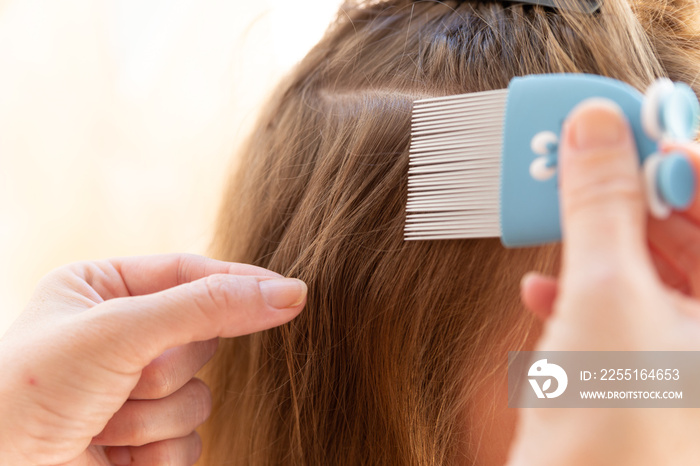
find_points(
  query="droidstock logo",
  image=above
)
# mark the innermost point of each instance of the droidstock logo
(546, 372)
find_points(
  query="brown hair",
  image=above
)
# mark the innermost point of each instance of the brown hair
(398, 339)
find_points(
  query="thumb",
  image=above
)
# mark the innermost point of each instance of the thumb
(602, 202)
(138, 329)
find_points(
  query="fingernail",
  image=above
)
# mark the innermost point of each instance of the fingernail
(119, 456)
(283, 293)
(596, 123)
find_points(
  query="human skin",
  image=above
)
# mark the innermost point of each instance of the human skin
(106, 353)
(626, 284)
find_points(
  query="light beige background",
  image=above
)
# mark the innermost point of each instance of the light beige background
(118, 119)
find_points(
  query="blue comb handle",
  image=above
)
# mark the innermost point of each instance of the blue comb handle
(676, 181)
(541, 103)
(678, 113)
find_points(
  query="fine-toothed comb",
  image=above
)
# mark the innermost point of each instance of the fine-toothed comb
(484, 164)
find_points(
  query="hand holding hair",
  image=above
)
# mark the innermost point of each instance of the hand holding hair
(625, 285)
(106, 352)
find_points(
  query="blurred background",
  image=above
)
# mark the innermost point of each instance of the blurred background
(119, 118)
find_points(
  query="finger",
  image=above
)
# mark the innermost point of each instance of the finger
(150, 274)
(677, 240)
(141, 422)
(538, 293)
(173, 369)
(692, 150)
(183, 451)
(603, 210)
(131, 332)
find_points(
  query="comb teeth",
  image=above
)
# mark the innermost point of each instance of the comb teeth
(455, 167)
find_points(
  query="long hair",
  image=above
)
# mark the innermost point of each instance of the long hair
(400, 342)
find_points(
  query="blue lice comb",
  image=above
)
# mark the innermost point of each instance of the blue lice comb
(484, 164)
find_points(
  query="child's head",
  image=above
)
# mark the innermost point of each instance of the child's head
(399, 356)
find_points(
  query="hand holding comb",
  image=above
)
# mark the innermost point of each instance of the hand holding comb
(484, 164)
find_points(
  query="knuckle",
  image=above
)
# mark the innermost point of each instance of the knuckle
(605, 188)
(138, 431)
(222, 292)
(185, 262)
(159, 380)
(65, 273)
